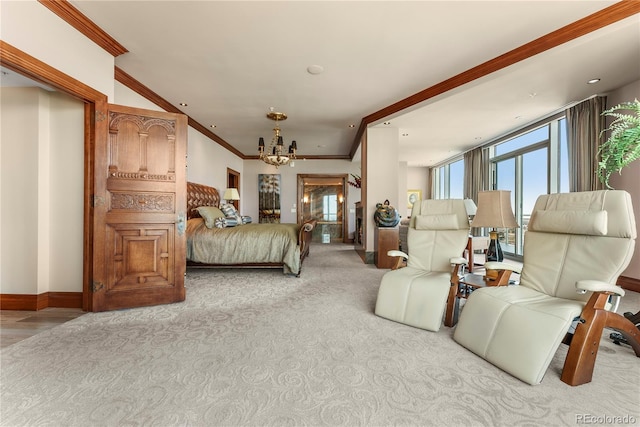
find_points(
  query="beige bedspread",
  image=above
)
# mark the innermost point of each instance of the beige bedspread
(244, 244)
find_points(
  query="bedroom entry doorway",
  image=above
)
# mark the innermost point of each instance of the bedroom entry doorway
(233, 181)
(323, 197)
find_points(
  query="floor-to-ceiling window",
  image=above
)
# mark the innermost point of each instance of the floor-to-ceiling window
(450, 180)
(524, 172)
(530, 162)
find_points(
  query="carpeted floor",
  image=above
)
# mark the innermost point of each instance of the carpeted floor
(256, 348)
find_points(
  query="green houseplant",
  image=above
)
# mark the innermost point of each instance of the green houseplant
(623, 145)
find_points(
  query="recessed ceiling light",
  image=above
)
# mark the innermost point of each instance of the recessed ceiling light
(183, 104)
(405, 134)
(315, 69)
(386, 123)
(213, 126)
(478, 138)
(592, 81)
(352, 125)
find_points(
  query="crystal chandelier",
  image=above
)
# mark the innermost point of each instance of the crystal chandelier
(274, 154)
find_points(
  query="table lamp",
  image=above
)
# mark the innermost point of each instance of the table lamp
(471, 208)
(231, 194)
(494, 211)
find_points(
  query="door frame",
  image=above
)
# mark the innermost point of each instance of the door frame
(233, 181)
(300, 198)
(28, 66)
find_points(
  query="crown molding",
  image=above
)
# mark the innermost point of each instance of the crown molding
(80, 22)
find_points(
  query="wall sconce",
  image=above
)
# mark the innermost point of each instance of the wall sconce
(340, 198)
(305, 199)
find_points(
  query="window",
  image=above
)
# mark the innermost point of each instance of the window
(330, 207)
(450, 180)
(530, 164)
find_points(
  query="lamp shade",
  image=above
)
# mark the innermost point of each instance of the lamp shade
(231, 194)
(494, 210)
(470, 206)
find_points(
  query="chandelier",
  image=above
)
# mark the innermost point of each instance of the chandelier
(274, 154)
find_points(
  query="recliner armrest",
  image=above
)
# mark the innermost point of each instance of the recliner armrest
(397, 253)
(495, 265)
(598, 286)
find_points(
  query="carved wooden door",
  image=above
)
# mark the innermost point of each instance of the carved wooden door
(139, 207)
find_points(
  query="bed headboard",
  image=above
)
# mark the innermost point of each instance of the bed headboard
(200, 195)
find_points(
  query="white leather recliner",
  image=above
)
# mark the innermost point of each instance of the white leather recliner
(576, 246)
(416, 295)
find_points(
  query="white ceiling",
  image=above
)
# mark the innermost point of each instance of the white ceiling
(230, 61)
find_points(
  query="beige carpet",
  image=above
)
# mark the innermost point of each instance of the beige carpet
(256, 348)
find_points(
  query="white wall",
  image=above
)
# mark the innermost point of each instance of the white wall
(18, 178)
(417, 179)
(207, 163)
(66, 190)
(382, 175)
(629, 180)
(42, 145)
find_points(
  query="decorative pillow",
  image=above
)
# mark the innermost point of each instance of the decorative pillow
(246, 219)
(209, 214)
(231, 222)
(591, 223)
(437, 222)
(228, 209)
(220, 222)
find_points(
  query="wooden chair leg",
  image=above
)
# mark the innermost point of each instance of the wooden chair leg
(581, 358)
(453, 307)
(453, 303)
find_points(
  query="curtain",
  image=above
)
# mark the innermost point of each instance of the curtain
(476, 173)
(585, 122)
(476, 176)
(429, 192)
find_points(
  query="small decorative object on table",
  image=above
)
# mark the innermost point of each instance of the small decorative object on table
(386, 215)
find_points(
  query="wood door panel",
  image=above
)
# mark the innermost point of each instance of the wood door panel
(140, 257)
(141, 147)
(139, 209)
(140, 202)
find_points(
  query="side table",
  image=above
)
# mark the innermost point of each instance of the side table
(461, 288)
(385, 240)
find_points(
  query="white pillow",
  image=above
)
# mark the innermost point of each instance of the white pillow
(437, 222)
(591, 223)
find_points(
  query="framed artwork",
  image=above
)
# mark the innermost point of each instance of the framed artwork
(413, 196)
(269, 198)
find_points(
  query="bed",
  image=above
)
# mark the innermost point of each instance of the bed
(245, 245)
